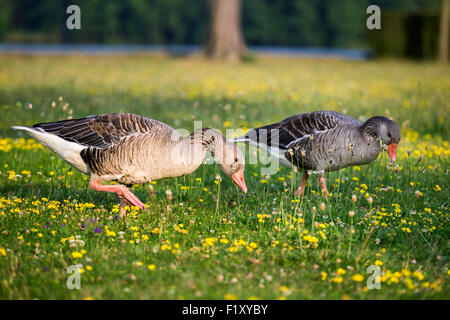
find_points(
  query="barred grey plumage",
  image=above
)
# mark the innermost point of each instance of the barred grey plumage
(325, 141)
(132, 149)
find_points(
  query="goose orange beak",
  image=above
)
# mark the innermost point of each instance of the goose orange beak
(238, 178)
(392, 150)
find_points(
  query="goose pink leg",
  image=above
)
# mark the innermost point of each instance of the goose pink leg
(301, 188)
(123, 203)
(125, 195)
(323, 185)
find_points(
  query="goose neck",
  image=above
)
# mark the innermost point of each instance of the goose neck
(370, 127)
(209, 139)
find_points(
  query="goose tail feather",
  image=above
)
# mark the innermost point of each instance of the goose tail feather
(68, 151)
(23, 128)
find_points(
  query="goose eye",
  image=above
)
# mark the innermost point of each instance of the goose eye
(389, 135)
(236, 160)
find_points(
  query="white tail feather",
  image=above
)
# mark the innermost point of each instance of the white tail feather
(68, 151)
(22, 128)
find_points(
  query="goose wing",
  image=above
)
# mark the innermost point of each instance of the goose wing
(292, 130)
(100, 131)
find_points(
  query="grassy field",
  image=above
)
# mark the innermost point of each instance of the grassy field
(210, 241)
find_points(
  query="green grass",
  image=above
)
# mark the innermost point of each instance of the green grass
(277, 246)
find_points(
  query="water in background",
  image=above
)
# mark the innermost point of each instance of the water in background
(176, 50)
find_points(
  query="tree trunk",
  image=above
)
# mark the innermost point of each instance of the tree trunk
(443, 33)
(225, 37)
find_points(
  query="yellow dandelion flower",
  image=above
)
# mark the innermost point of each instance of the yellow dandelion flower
(419, 275)
(378, 263)
(253, 245)
(357, 277)
(77, 255)
(340, 271)
(337, 279)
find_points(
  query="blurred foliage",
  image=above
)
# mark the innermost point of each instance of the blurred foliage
(265, 22)
(406, 34)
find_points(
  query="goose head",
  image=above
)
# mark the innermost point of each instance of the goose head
(232, 162)
(390, 134)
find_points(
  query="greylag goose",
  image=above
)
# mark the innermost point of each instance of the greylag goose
(325, 141)
(132, 149)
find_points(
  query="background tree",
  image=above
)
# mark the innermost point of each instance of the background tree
(225, 40)
(443, 33)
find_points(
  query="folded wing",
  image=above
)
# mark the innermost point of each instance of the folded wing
(294, 129)
(100, 131)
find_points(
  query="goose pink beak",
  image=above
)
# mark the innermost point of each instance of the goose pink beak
(392, 150)
(238, 178)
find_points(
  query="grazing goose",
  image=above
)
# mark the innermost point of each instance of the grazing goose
(325, 141)
(132, 149)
